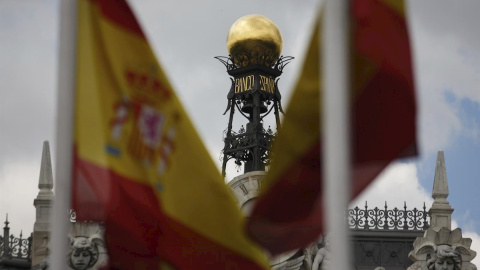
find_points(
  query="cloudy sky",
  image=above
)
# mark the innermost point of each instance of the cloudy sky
(186, 35)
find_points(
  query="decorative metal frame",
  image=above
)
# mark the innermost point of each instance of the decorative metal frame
(239, 145)
(251, 146)
(385, 219)
(258, 56)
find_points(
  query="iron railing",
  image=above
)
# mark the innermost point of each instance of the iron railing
(12, 247)
(388, 219)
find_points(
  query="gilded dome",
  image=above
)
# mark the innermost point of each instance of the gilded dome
(254, 34)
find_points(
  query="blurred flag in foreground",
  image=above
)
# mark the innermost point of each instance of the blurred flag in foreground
(139, 165)
(289, 213)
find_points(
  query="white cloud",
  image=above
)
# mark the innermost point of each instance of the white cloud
(397, 184)
(445, 62)
(475, 245)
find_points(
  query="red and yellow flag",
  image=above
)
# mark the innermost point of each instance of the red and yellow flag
(139, 165)
(289, 215)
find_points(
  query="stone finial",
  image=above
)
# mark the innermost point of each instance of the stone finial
(45, 181)
(43, 204)
(440, 182)
(441, 212)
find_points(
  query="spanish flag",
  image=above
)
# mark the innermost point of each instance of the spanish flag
(139, 166)
(289, 212)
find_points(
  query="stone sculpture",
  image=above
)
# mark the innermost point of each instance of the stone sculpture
(84, 252)
(442, 250)
(320, 261)
(445, 257)
(88, 251)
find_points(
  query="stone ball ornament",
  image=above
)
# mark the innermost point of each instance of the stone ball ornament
(254, 40)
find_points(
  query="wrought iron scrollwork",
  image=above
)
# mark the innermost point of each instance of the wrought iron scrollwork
(256, 56)
(239, 144)
(395, 219)
(387, 219)
(19, 247)
(283, 61)
(226, 61)
(14, 247)
(417, 219)
(376, 218)
(356, 218)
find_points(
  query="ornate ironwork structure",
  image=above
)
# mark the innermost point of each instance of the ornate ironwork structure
(254, 93)
(385, 219)
(14, 248)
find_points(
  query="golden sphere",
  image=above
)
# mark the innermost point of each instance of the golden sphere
(254, 33)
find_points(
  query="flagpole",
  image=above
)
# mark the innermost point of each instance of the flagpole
(336, 153)
(64, 141)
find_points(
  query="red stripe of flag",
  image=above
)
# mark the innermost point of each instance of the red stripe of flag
(120, 13)
(384, 115)
(381, 35)
(137, 231)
